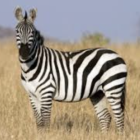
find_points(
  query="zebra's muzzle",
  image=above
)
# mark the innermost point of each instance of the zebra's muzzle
(24, 51)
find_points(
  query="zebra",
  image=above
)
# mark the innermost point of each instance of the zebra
(47, 74)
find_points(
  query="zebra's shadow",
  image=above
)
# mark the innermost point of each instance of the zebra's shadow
(70, 123)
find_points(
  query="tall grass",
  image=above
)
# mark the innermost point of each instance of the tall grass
(69, 121)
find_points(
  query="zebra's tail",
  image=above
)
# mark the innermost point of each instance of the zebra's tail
(123, 98)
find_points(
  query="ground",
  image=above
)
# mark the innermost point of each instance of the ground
(69, 121)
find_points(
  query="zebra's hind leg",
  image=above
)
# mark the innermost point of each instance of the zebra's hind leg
(99, 102)
(116, 98)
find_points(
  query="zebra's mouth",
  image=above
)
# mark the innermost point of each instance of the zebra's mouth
(24, 51)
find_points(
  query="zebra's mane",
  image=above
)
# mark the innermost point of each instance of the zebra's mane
(26, 16)
(39, 37)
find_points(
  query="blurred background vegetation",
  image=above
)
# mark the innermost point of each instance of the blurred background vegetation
(95, 39)
(75, 121)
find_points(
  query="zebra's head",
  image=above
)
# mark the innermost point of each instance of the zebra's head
(25, 32)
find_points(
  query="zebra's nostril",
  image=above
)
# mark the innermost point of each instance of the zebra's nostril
(24, 45)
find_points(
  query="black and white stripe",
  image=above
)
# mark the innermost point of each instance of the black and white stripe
(49, 75)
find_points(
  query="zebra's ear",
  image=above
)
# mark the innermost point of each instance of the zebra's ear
(18, 14)
(32, 15)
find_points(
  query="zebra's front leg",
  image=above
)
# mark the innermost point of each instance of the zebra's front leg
(42, 110)
(46, 105)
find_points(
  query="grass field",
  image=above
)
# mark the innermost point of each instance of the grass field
(75, 121)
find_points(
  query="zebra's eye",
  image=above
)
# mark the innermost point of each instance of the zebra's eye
(17, 31)
(33, 32)
(29, 44)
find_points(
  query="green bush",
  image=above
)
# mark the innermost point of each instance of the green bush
(94, 39)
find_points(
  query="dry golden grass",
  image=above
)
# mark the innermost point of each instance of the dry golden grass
(75, 121)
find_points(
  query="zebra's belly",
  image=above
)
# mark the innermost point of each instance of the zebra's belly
(70, 99)
(78, 95)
